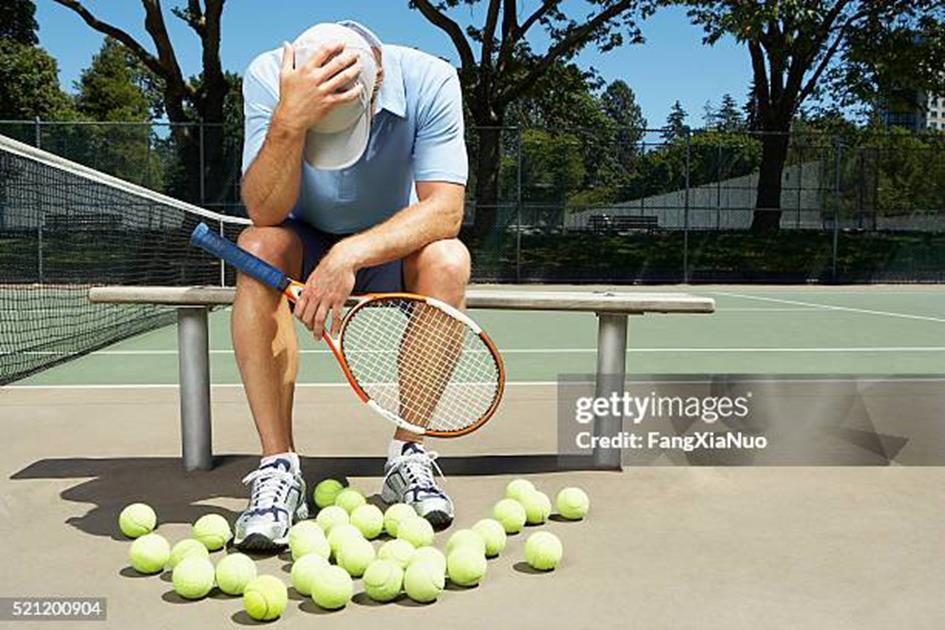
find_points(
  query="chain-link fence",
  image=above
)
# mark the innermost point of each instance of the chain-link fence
(621, 205)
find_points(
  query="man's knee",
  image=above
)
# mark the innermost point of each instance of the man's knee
(448, 260)
(277, 246)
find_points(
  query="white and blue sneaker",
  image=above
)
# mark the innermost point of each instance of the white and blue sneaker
(277, 500)
(409, 479)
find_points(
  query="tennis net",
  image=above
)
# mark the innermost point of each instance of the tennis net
(65, 227)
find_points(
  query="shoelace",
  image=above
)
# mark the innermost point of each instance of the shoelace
(419, 468)
(272, 486)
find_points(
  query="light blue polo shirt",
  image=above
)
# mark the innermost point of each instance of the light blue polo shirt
(416, 135)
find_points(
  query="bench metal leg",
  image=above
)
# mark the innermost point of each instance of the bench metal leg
(193, 347)
(611, 372)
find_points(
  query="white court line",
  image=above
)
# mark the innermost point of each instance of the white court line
(829, 307)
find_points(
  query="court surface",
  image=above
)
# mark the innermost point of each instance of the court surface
(664, 547)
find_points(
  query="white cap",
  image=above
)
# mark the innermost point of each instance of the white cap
(340, 138)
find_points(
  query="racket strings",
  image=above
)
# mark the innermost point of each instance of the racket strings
(420, 363)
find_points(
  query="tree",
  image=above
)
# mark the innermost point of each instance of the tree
(728, 117)
(676, 126)
(620, 105)
(798, 46)
(508, 68)
(113, 88)
(18, 22)
(184, 100)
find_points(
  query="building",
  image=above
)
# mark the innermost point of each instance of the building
(930, 114)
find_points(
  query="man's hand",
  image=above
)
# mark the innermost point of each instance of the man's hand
(326, 290)
(308, 93)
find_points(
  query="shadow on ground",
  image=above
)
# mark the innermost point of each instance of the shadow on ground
(180, 497)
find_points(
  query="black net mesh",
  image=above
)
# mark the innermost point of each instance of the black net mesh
(64, 228)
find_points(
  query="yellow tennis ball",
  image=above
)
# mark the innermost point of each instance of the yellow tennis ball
(326, 491)
(517, 488)
(466, 565)
(383, 580)
(234, 572)
(510, 514)
(493, 535)
(149, 554)
(573, 503)
(423, 582)
(212, 530)
(369, 519)
(465, 538)
(308, 539)
(416, 530)
(137, 519)
(265, 598)
(185, 549)
(398, 551)
(355, 555)
(193, 577)
(332, 588)
(537, 507)
(330, 516)
(304, 570)
(543, 551)
(340, 534)
(429, 554)
(350, 499)
(394, 515)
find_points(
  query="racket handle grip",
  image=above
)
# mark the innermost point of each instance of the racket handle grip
(258, 269)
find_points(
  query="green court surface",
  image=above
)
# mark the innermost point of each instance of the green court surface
(756, 330)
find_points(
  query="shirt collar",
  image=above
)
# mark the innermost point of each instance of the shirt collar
(392, 95)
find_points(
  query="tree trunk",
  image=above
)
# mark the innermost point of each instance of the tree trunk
(767, 215)
(488, 164)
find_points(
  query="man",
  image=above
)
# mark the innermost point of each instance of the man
(354, 177)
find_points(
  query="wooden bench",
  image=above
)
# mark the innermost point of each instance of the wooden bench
(194, 303)
(609, 224)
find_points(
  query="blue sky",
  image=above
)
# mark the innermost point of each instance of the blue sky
(673, 63)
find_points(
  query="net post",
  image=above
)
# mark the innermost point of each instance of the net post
(193, 341)
(611, 374)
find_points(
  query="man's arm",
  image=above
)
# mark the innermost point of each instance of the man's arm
(438, 214)
(270, 186)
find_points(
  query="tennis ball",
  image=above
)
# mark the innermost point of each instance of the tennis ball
(369, 519)
(149, 553)
(340, 534)
(212, 530)
(518, 488)
(185, 549)
(355, 555)
(383, 580)
(465, 538)
(193, 577)
(137, 519)
(573, 503)
(416, 530)
(303, 572)
(330, 516)
(423, 582)
(493, 535)
(265, 598)
(537, 507)
(394, 515)
(332, 587)
(326, 491)
(308, 540)
(465, 565)
(543, 551)
(398, 551)
(350, 499)
(510, 514)
(234, 572)
(431, 555)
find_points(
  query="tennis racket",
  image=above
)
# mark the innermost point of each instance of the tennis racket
(416, 361)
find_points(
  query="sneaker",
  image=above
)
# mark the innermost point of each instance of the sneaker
(277, 500)
(409, 479)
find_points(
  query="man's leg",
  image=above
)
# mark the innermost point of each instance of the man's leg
(267, 356)
(439, 270)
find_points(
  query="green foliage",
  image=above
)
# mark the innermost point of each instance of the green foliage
(18, 21)
(112, 88)
(676, 126)
(29, 84)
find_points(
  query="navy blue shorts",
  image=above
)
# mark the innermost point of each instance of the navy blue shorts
(386, 278)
